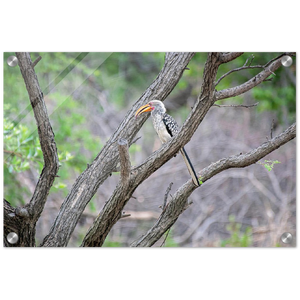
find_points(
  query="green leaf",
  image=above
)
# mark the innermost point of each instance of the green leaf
(59, 185)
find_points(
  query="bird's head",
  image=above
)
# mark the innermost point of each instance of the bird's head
(152, 105)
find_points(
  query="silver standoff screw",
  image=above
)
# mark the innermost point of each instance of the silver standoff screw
(286, 238)
(12, 238)
(12, 61)
(286, 61)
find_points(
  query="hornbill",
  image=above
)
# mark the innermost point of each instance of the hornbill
(166, 127)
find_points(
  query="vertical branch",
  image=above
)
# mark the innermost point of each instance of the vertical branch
(25, 218)
(112, 210)
(46, 136)
(124, 161)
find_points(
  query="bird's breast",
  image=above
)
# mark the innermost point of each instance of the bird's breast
(161, 131)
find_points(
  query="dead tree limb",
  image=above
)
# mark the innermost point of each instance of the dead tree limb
(250, 84)
(30, 213)
(177, 204)
(106, 161)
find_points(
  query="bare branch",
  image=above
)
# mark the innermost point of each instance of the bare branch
(124, 161)
(269, 69)
(101, 227)
(46, 136)
(108, 158)
(227, 57)
(33, 210)
(237, 105)
(166, 195)
(177, 205)
(124, 215)
(238, 69)
(36, 61)
(135, 140)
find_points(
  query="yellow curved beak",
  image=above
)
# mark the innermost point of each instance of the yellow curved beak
(143, 109)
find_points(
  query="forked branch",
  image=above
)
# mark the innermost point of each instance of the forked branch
(179, 200)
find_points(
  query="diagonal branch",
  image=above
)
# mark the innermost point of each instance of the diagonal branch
(112, 209)
(227, 57)
(178, 203)
(269, 69)
(106, 161)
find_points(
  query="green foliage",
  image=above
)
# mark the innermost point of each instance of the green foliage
(276, 99)
(269, 164)
(169, 242)
(200, 181)
(20, 147)
(237, 237)
(110, 243)
(277, 95)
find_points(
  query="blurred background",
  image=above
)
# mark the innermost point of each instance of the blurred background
(88, 94)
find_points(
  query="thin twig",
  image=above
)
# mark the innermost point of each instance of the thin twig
(165, 238)
(135, 140)
(238, 105)
(272, 127)
(166, 195)
(252, 57)
(124, 215)
(13, 152)
(245, 66)
(36, 61)
(238, 69)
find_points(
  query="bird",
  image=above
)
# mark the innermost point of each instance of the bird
(166, 127)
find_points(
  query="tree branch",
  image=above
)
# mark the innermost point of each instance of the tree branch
(270, 67)
(166, 195)
(46, 136)
(227, 57)
(236, 70)
(125, 161)
(106, 161)
(178, 203)
(237, 105)
(48, 146)
(112, 209)
(36, 61)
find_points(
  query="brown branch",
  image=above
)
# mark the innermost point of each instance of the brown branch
(111, 211)
(166, 195)
(36, 61)
(124, 161)
(46, 136)
(227, 57)
(134, 215)
(237, 105)
(177, 205)
(269, 69)
(106, 161)
(36, 205)
(13, 153)
(238, 69)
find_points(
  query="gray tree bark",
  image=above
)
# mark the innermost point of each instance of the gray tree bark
(105, 163)
(23, 220)
(178, 203)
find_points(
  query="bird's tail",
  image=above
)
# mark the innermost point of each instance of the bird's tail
(189, 166)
